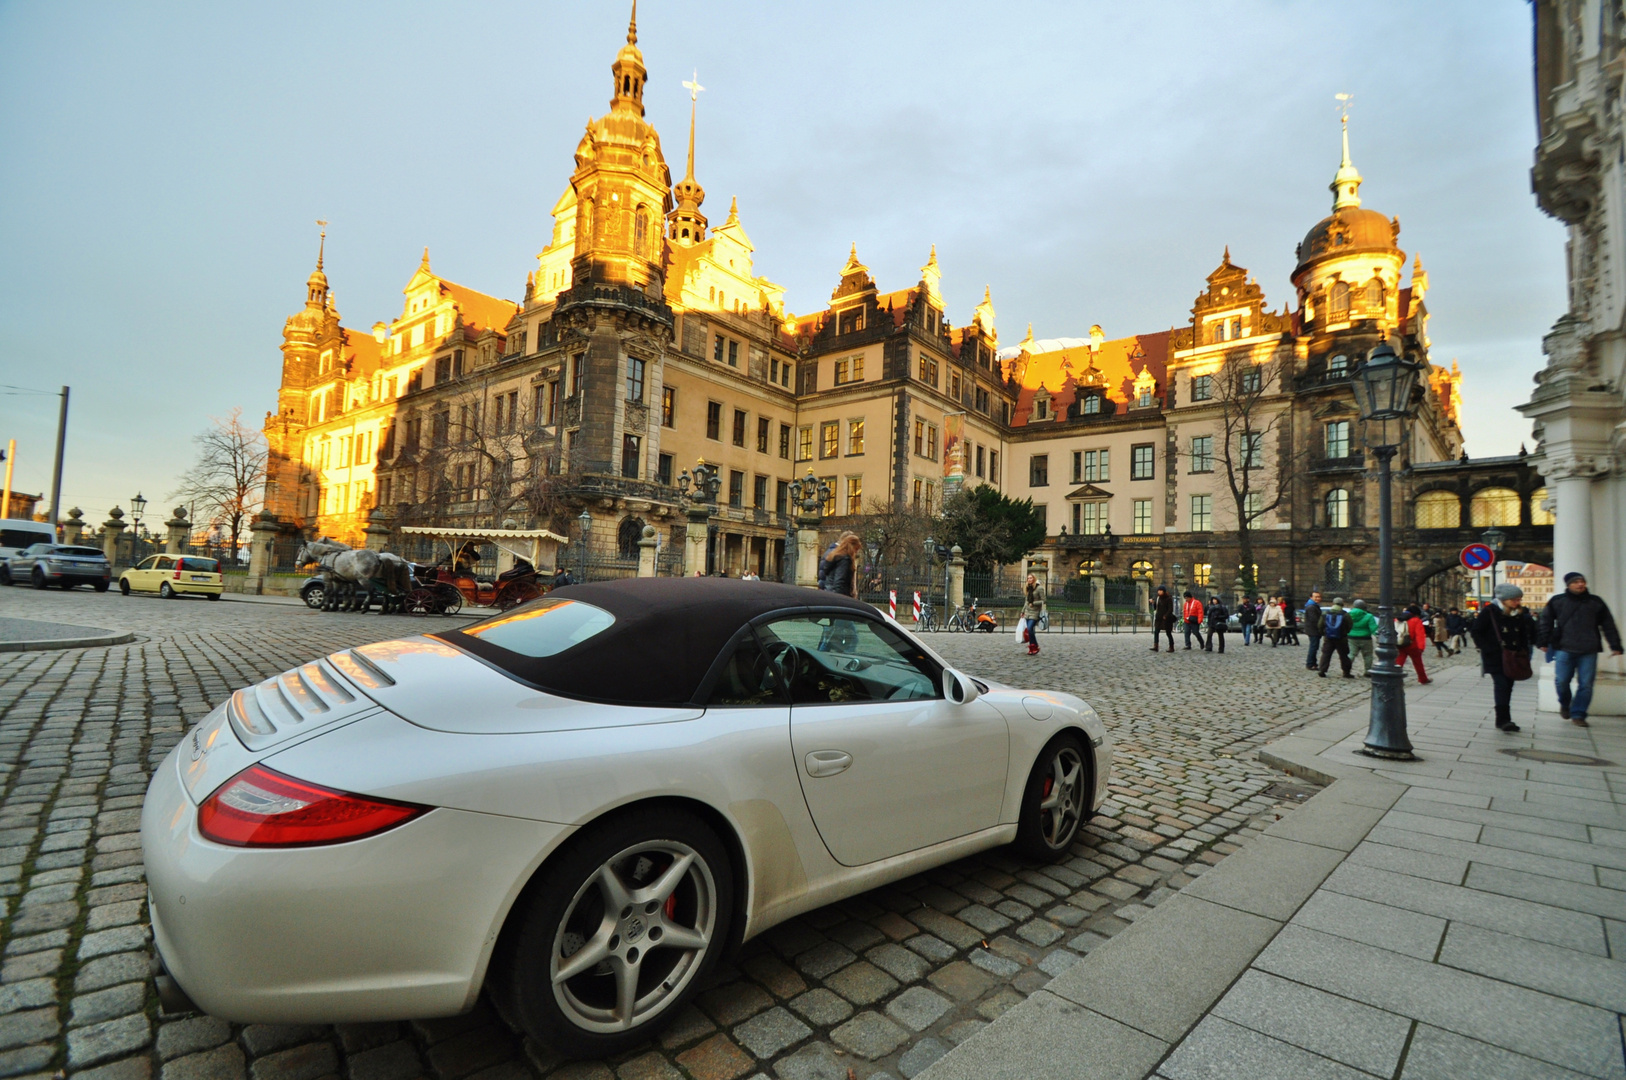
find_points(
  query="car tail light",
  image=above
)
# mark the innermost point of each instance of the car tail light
(262, 808)
(177, 571)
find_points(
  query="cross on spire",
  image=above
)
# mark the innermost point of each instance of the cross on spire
(321, 246)
(692, 85)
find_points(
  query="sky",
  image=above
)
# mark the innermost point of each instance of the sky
(164, 167)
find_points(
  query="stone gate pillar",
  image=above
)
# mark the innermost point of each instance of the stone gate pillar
(694, 541)
(73, 530)
(378, 534)
(807, 551)
(646, 552)
(1098, 594)
(956, 597)
(112, 528)
(263, 534)
(1143, 600)
(179, 527)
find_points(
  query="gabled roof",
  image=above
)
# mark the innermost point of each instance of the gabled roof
(1060, 371)
(479, 311)
(361, 354)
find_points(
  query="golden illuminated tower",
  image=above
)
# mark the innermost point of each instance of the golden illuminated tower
(687, 224)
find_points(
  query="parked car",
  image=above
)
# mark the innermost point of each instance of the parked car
(19, 533)
(43, 565)
(173, 575)
(582, 804)
(314, 591)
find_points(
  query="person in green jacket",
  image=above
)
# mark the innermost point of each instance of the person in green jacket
(1363, 624)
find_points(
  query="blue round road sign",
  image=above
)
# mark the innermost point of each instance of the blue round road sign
(1478, 557)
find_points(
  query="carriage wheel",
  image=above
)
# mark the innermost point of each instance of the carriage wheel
(417, 602)
(450, 600)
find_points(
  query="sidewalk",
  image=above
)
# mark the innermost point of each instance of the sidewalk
(33, 635)
(1459, 916)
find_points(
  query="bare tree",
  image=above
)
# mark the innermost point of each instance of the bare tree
(897, 533)
(228, 479)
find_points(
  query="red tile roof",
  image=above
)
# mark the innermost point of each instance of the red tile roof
(479, 311)
(1119, 360)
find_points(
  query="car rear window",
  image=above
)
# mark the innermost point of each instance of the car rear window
(81, 552)
(22, 538)
(544, 628)
(202, 566)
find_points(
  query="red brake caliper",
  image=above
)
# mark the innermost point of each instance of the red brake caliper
(671, 906)
(1049, 782)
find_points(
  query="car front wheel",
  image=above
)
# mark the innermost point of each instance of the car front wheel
(165, 591)
(617, 933)
(313, 596)
(5, 574)
(1055, 800)
(124, 587)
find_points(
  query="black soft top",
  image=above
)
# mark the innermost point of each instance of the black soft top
(666, 635)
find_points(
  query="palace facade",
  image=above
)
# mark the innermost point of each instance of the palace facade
(646, 342)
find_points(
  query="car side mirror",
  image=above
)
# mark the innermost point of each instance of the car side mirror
(958, 688)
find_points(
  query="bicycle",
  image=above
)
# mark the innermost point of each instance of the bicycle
(961, 622)
(928, 618)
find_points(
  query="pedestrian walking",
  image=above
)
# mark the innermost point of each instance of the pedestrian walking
(839, 573)
(1312, 627)
(1457, 626)
(1440, 633)
(1505, 635)
(1246, 613)
(1191, 612)
(1416, 638)
(1290, 629)
(1163, 617)
(1033, 609)
(1275, 620)
(1219, 621)
(1363, 625)
(1573, 624)
(1258, 619)
(1335, 623)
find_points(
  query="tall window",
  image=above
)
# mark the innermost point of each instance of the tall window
(668, 406)
(1092, 404)
(982, 468)
(1095, 518)
(1494, 506)
(1374, 293)
(714, 420)
(1253, 380)
(1143, 517)
(993, 467)
(927, 369)
(1202, 513)
(629, 456)
(855, 494)
(850, 369)
(1340, 299)
(804, 444)
(781, 497)
(663, 469)
(1202, 453)
(1142, 462)
(920, 438)
(773, 369)
(855, 436)
(1202, 574)
(1336, 572)
(736, 488)
(1338, 439)
(1253, 505)
(830, 495)
(739, 427)
(1078, 466)
(1251, 449)
(635, 379)
(1539, 514)
(1338, 366)
(1039, 470)
(1438, 510)
(1338, 508)
(1096, 466)
(759, 492)
(1202, 387)
(784, 441)
(829, 438)
(762, 434)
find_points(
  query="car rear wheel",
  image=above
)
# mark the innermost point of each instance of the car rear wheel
(214, 596)
(1055, 800)
(5, 574)
(165, 591)
(617, 933)
(39, 578)
(124, 587)
(100, 586)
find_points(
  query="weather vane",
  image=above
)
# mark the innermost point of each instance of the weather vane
(693, 86)
(1345, 103)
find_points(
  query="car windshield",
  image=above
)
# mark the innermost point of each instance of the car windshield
(81, 552)
(543, 629)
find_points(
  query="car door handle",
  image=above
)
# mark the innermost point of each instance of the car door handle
(828, 762)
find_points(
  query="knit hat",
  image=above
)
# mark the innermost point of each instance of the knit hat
(1509, 591)
(1360, 604)
(1338, 601)
(1574, 575)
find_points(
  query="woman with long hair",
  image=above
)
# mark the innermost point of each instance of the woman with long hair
(1033, 609)
(842, 565)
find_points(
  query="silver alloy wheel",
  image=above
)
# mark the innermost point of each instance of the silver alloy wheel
(1062, 805)
(636, 932)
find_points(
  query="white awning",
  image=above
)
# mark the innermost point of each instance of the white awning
(496, 536)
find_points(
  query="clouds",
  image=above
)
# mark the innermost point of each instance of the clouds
(165, 166)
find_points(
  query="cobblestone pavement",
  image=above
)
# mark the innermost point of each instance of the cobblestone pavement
(877, 986)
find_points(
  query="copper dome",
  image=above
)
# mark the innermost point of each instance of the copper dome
(1348, 231)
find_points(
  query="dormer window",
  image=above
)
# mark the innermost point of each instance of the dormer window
(1145, 398)
(850, 321)
(1092, 405)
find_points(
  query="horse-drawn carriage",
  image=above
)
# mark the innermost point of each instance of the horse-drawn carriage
(352, 579)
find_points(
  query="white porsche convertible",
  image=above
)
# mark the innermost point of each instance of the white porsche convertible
(582, 803)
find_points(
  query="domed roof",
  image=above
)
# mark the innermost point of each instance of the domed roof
(1349, 231)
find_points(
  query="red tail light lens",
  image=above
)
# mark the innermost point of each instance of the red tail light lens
(262, 808)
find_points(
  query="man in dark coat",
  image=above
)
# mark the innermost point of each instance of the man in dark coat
(1504, 624)
(1312, 628)
(1163, 616)
(1219, 621)
(1573, 625)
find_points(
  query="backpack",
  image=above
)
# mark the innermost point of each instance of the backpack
(1334, 624)
(1402, 634)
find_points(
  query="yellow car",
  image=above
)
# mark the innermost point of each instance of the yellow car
(173, 575)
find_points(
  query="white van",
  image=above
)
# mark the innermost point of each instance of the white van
(18, 533)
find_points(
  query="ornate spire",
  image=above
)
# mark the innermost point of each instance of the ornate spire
(733, 211)
(931, 275)
(632, 25)
(1346, 183)
(628, 69)
(686, 224)
(424, 265)
(853, 265)
(316, 290)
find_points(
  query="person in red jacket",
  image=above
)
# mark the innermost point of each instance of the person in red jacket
(1192, 613)
(1416, 643)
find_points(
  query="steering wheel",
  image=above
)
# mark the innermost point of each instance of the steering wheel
(783, 656)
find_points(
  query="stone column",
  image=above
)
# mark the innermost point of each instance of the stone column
(378, 538)
(112, 528)
(694, 540)
(646, 552)
(263, 533)
(1143, 600)
(73, 530)
(1572, 534)
(956, 569)
(807, 551)
(179, 528)
(1098, 594)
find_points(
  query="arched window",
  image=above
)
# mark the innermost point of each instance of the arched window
(627, 536)
(1374, 293)
(1438, 510)
(1494, 506)
(586, 215)
(1338, 365)
(640, 229)
(1340, 298)
(1338, 508)
(1539, 515)
(1141, 568)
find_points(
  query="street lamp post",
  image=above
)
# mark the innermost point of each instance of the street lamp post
(585, 520)
(807, 498)
(1493, 538)
(1383, 388)
(138, 506)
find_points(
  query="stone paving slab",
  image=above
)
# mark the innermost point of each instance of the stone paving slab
(81, 730)
(30, 635)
